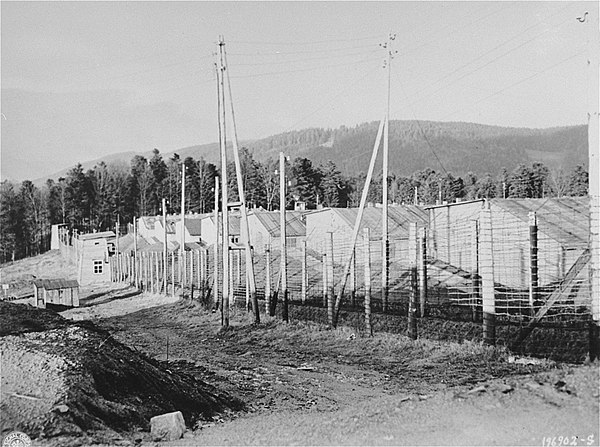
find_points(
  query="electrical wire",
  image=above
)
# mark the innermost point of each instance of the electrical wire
(322, 106)
(518, 82)
(302, 60)
(313, 42)
(257, 75)
(283, 53)
(469, 73)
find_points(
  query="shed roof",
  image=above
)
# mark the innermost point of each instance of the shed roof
(100, 235)
(294, 227)
(56, 284)
(399, 218)
(234, 224)
(149, 221)
(565, 219)
(193, 225)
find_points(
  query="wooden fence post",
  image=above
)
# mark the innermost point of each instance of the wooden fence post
(330, 281)
(475, 278)
(143, 271)
(367, 257)
(173, 273)
(199, 269)
(239, 269)
(353, 279)
(486, 268)
(268, 279)
(533, 260)
(304, 272)
(324, 265)
(158, 277)
(423, 272)
(230, 282)
(412, 302)
(152, 269)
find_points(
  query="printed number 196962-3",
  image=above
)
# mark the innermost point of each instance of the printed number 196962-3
(557, 441)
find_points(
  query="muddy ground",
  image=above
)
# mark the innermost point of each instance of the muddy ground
(303, 384)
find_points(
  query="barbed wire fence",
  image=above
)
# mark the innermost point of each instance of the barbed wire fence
(540, 292)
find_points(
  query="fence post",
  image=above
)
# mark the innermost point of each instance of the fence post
(239, 268)
(268, 279)
(199, 269)
(152, 271)
(353, 279)
(230, 282)
(324, 262)
(475, 278)
(304, 272)
(330, 281)
(562, 262)
(486, 268)
(367, 256)
(158, 276)
(533, 260)
(173, 273)
(143, 270)
(412, 302)
(157, 267)
(423, 272)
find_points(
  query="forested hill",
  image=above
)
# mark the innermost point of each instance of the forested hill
(460, 147)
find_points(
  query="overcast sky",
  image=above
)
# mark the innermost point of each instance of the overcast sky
(81, 80)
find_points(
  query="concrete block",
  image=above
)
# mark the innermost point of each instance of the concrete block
(167, 427)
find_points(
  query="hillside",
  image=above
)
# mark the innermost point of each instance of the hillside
(460, 147)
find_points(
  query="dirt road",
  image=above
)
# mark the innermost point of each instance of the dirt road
(308, 385)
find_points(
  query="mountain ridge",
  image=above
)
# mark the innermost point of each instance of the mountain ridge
(457, 147)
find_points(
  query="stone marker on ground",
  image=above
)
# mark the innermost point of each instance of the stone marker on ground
(167, 427)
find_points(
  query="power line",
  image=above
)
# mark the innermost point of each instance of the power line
(302, 60)
(354, 39)
(417, 94)
(284, 53)
(453, 30)
(320, 67)
(322, 106)
(518, 82)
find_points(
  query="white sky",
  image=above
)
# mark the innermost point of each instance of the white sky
(81, 80)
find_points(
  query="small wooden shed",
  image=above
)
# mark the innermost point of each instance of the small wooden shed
(55, 291)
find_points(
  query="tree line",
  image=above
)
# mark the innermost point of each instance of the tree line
(97, 199)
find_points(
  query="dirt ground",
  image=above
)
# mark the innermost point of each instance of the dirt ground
(306, 385)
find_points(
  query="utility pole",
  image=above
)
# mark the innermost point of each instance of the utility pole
(594, 174)
(224, 198)
(284, 291)
(385, 248)
(182, 238)
(216, 246)
(250, 280)
(165, 252)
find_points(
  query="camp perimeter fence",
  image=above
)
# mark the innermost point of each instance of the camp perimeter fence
(532, 275)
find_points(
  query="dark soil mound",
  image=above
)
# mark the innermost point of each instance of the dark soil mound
(64, 378)
(20, 318)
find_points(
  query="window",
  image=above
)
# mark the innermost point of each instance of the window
(98, 266)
